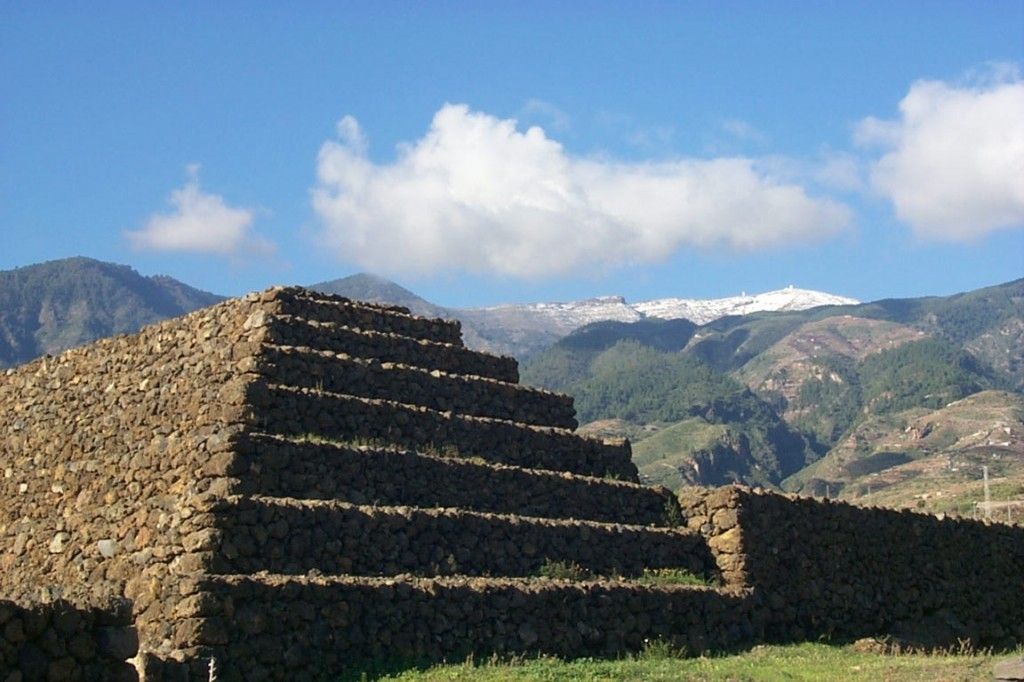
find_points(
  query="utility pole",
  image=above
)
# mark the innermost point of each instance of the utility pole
(988, 508)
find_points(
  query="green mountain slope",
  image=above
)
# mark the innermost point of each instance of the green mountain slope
(751, 398)
(49, 307)
(730, 433)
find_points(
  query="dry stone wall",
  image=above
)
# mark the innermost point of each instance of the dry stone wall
(269, 465)
(340, 373)
(289, 536)
(60, 641)
(288, 330)
(361, 315)
(266, 627)
(824, 568)
(296, 411)
(100, 456)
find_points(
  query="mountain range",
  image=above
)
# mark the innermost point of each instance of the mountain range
(900, 401)
(49, 307)
(521, 330)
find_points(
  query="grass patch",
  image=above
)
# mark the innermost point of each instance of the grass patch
(564, 570)
(570, 570)
(659, 662)
(671, 576)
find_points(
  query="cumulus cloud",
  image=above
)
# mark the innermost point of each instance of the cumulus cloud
(476, 194)
(200, 222)
(953, 161)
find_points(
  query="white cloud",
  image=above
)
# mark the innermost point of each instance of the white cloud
(200, 222)
(953, 164)
(476, 194)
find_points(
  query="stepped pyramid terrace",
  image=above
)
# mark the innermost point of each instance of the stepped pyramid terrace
(291, 484)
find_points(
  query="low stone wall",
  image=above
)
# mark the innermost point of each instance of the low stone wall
(390, 319)
(286, 330)
(285, 468)
(824, 568)
(316, 628)
(435, 389)
(100, 451)
(286, 410)
(60, 641)
(294, 536)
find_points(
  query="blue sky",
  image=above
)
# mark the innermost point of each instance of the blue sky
(492, 152)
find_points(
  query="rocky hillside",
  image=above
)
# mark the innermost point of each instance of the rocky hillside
(747, 398)
(49, 307)
(927, 459)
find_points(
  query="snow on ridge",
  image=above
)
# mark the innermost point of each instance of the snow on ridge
(703, 311)
(574, 314)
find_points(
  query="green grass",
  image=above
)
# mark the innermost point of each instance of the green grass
(811, 662)
(671, 576)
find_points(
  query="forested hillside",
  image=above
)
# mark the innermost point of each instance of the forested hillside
(49, 307)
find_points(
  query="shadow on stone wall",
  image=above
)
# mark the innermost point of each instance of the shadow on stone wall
(63, 641)
(825, 569)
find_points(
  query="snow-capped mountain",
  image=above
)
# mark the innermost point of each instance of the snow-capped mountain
(575, 314)
(569, 316)
(703, 311)
(523, 329)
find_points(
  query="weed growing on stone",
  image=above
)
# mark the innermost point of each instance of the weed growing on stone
(671, 576)
(445, 450)
(673, 516)
(563, 570)
(319, 439)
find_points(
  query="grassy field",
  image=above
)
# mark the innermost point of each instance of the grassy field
(811, 662)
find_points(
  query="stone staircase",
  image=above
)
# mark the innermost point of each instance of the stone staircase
(395, 495)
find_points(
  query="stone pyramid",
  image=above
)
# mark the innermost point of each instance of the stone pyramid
(291, 483)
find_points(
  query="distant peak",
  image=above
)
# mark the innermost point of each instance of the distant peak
(703, 311)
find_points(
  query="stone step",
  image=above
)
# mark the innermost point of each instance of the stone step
(289, 330)
(283, 467)
(370, 378)
(277, 627)
(288, 535)
(368, 316)
(288, 410)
